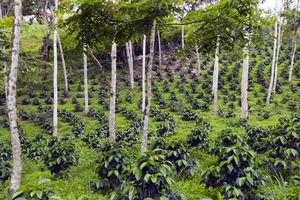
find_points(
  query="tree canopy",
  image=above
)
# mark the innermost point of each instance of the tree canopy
(104, 22)
(231, 20)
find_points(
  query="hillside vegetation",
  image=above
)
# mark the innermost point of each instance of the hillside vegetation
(193, 154)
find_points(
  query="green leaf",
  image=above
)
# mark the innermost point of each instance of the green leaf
(240, 181)
(39, 194)
(163, 171)
(132, 193)
(110, 173)
(249, 179)
(58, 160)
(147, 177)
(137, 172)
(143, 165)
(43, 181)
(295, 135)
(56, 197)
(116, 172)
(106, 164)
(169, 180)
(16, 194)
(154, 178)
(32, 193)
(230, 167)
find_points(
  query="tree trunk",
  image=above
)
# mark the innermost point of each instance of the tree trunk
(86, 89)
(149, 77)
(130, 63)
(182, 36)
(244, 86)
(112, 133)
(293, 57)
(55, 99)
(63, 63)
(198, 59)
(11, 102)
(143, 74)
(159, 49)
(215, 78)
(273, 66)
(5, 72)
(277, 57)
(46, 51)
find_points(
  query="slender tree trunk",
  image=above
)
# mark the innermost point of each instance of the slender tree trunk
(198, 59)
(273, 66)
(55, 96)
(11, 102)
(159, 49)
(244, 86)
(130, 63)
(277, 57)
(182, 36)
(215, 78)
(112, 134)
(5, 72)
(63, 63)
(45, 49)
(149, 77)
(86, 89)
(293, 57)
(143, 74)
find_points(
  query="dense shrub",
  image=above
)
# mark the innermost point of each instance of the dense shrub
(61, 156)
(235, 172)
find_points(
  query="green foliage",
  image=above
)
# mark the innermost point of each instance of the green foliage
(112, 161)
(230, 20)
(149, 177)
(180, 156)
(117, 20)
(40, 191)
(283, 143)
(235, 171)
(5, 156)
(61, 156)
(198, 138)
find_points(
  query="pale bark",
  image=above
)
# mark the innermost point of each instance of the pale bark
(86, 89)
(293, 57)
(159, 49)
(273, 66)
(5, 72)
(149, 80)
(244, 85)
(63, 63)
(95, 59)
(130, 63)
(182, 36)
(277, 57)
(11, 102)
(198, 59)
(112, 131)
(55, 96)
(143, 74)
(215, 78)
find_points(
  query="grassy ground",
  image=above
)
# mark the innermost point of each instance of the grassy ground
(74, 184)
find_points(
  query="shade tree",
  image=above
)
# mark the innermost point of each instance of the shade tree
(237, 24)
(104, 22)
